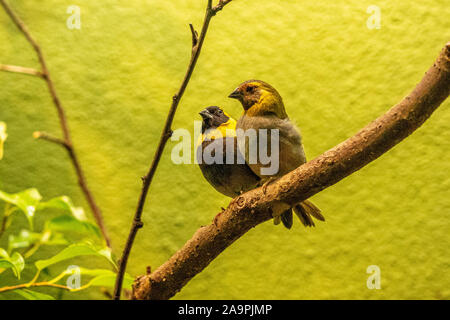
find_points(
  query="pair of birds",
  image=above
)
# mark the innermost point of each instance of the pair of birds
(263, 109)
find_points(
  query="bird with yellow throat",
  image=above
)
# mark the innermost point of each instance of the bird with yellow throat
(264, 109)
(220, 161)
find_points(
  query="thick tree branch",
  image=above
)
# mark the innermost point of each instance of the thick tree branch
(255, 206)
(197, 44)
(67, 140)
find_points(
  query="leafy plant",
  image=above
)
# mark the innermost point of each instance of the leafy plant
(69, 228)
(15, 262)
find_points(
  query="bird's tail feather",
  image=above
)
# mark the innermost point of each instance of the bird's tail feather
(286, 218)
(277, 220)
(304, 210)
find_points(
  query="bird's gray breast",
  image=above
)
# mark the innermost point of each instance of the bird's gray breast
(288, 139)
(226, 170)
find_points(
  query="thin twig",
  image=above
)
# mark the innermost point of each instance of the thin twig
(3, 225)
(194, 35)
(23, 70)
(36, 284)
(67, 141)
(50, 138)
(165, 135)
(256, 206)
(220, 5)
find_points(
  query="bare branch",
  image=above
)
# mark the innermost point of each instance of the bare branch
(36, 284)
(255, 206)
(165, 135)
(194, 36)
(50, 138)
(45, 74)
(23, 70)
(220, 5)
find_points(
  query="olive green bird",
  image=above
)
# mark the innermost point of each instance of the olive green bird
(231, 177)
(264, 109)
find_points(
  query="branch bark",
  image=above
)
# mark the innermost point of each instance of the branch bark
(67, 140)
(255, 206)
(197, 44)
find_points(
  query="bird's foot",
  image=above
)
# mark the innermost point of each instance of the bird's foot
(267, 183)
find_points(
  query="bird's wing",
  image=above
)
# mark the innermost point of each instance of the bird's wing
(291, 153)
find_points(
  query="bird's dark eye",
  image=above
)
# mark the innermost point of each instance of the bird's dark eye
(250, 89)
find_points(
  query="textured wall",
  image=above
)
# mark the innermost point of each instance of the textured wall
(116, 77)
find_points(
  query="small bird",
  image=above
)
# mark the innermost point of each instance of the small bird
(264, 109)
(227, 172)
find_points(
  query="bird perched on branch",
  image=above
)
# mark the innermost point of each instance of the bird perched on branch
(264, 109)
(219, 159)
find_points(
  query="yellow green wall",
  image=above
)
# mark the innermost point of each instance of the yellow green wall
(116, 77)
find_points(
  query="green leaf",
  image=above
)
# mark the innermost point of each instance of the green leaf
(18, 262)
(3, 137)
(27, 238)
(104, 278)
(56, 239)
(33, 295)
(27, 201)
(110, 281)
(15, 262)
(3, 253)
(5, 264)
(64, 204)
(23, 240)
(70, 223)
(75, 250)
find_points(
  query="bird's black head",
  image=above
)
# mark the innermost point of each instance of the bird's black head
(213, 117)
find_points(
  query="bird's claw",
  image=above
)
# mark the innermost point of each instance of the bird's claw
(267, 183)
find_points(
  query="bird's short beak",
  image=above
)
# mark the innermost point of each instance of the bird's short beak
(236, 94)
(205, 114)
